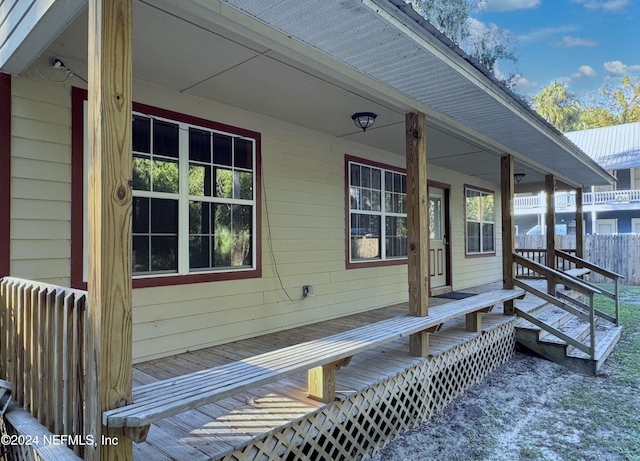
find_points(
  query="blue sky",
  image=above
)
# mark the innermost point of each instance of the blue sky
(585, 43)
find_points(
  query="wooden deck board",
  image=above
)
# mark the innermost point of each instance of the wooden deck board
(217, 429)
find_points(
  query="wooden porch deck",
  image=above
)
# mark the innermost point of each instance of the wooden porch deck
(216, 430)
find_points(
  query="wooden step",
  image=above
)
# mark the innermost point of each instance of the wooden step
(574, 328)
(557, 350)
(606, 339)
(549, 314)
(577, 272)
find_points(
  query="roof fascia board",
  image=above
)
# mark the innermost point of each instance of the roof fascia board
(417, 32)
(41, 23)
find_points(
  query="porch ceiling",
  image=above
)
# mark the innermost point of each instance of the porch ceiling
(353, 59)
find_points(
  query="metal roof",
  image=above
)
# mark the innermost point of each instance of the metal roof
(613, 147)
(388, 41)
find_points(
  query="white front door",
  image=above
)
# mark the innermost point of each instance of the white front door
(437, 239)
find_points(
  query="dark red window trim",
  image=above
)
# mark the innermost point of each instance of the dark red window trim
(78, 96)
(347, 219)
(5, 174)
(478, 255)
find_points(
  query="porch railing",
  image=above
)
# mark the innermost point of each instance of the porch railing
(565, 200)
(42, 352)
(583, 310)
(572, 259)
(539, 255)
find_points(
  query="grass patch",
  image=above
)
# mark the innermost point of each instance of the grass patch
(608, 404)
(624, 363)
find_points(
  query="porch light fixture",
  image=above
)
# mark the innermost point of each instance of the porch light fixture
(518, 177)
(363, 119)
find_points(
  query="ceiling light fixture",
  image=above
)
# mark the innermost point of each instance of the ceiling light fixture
(364, 120)
(518, 177)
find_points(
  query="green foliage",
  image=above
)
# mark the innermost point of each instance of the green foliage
(448, 16)
(488, 45)
(614, 105)
(556, 104)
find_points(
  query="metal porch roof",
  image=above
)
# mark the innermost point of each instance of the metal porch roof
(612, 147)
(388, 41)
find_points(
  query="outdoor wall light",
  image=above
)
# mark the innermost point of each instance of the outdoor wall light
(363, 119)
(518, 177)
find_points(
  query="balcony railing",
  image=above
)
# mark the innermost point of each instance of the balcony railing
(566, 200)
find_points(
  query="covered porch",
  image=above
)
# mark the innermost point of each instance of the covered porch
(288, 90)
(381, 393)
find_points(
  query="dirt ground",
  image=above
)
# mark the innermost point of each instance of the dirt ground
(530, 408)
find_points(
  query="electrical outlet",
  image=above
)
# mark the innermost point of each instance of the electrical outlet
(307, 291)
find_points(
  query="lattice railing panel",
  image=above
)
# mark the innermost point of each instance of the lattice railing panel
(364, 423)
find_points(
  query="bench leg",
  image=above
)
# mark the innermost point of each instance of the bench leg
(508, 308)
(322, 380)
(419, 344)
(137, 434)
(474, 322)
(322, 384)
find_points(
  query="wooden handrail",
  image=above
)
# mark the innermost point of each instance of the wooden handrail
(557, 275)
(587, 265)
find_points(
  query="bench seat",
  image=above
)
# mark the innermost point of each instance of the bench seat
(169, 397)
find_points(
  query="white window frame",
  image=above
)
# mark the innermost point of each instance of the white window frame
(483, 192)
(613, 221)
(635, 222)
(183, 199)
(383, 213)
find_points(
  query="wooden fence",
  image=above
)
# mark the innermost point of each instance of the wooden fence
(616, 253)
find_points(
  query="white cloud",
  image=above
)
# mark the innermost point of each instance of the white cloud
(619, 68)
(604, 5)
(522, 83)
(508, 5)
(539, 35)
(584, 71)
(587, 71)
(569, 41)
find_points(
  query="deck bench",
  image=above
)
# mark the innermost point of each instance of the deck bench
(320, 357)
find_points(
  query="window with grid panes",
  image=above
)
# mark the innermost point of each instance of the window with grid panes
(193, 199)
(377, 213)
(480, 222)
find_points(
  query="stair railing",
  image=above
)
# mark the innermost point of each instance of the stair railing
(570, 282)
(615, 296)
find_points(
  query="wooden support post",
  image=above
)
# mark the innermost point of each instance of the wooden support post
(508, 240)
(417, 230)
(474, 322)
(579, 224)
(322, 381)
(109, 331)
(549, 188)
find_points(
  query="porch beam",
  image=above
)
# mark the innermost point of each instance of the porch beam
(109, 347)
(550, 219)
(579, 224)
(508, 240)
(417, 226)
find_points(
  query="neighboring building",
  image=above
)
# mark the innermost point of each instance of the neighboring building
(608, 209)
